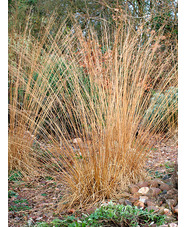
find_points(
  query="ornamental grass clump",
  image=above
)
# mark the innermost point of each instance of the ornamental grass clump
(83, 102)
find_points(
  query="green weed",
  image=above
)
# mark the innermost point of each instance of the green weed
(21, 204)
(111, 215)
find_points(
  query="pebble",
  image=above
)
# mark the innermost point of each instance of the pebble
(164, 187)
(154, 192)
(127, 202)
(149, 203)
(167, 212)
(172, 225)
(139, 204)
(143, 190)
(133, 199)
(171, 202)
(143, 199)
(143, 184)
(156, 183)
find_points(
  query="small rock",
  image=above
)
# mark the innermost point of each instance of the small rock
(171, 203)
(164, 187)
(133, 189)
(133, 199)
(127, 202)
(139, 204)
(172, 225)
(143, 184)
(167, 212)
(173, 192)
(143, 190)
(155, 208)
(143, 199)
(155, 183)
(170, 219)
(149, 203)
(153, 192)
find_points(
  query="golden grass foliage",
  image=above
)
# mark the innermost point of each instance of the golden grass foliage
(73, 85)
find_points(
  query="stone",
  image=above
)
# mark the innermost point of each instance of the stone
(149, 203)
(171, 203)
(155, 208)
(137, 195)
(167, 212)
(139, 204)
(127, 202)
(133, 189)
(143, 184)
(133, 199)
(143, 199)
(155, 183)
(173, 192)
(154, 192)
(164, 186)
(170, 219)
(143, 190)
(172, 225)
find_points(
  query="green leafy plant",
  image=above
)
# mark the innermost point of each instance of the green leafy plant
(19, 205)
(12, 194)
(112, 215)
(15, 175)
